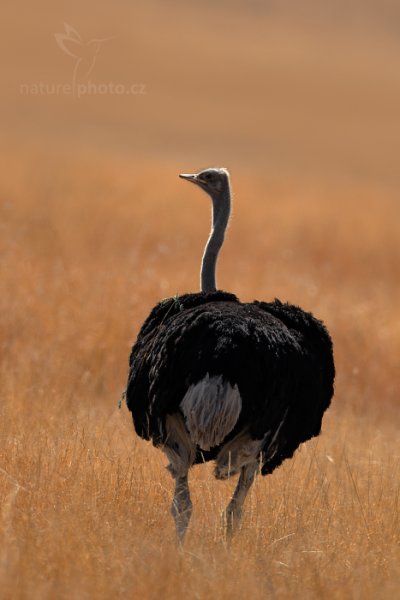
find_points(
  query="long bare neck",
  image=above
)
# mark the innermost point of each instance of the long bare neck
(220, 217)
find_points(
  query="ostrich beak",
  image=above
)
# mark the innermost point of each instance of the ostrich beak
(188, 176)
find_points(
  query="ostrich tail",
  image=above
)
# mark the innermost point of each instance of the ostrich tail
(211, 408)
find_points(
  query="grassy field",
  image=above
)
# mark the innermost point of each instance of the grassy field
(84, 504)
(96, 227)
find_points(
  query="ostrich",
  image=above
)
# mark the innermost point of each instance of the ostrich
(212, 378)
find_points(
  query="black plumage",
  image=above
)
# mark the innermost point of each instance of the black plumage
(279, 356)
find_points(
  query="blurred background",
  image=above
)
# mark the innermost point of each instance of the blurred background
(101, 106)
(306, 88)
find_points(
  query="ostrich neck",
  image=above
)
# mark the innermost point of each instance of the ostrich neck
(220, 218)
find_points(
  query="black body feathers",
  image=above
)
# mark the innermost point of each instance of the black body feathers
(279, 356)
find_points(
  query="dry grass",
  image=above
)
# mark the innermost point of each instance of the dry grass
(95, 227)
(85, 252)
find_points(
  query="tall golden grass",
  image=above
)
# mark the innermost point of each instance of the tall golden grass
(88, 246)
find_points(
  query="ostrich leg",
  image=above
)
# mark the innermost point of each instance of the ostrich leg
(181, 452)
(233, 513)
(181, 508)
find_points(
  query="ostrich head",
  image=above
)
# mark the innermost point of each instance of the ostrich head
(213, 181)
